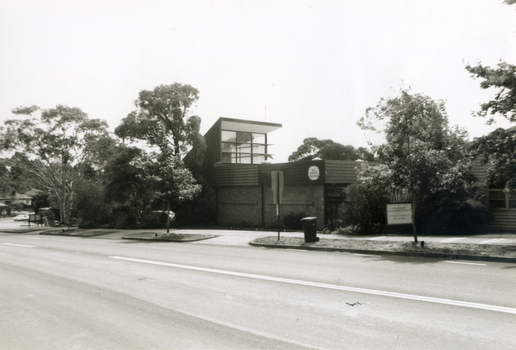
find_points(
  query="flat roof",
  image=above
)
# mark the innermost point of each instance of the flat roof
(248, 125)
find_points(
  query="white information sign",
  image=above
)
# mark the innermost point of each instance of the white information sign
(313, 173)
(399, 214)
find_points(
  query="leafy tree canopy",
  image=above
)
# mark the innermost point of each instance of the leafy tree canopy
(502, 78)
(162, 119)
(57, 143)
(14, 176)
(327, 149)
(171, 181)
(422, 154)
(498, 149)
(60, 134)
(126, 184)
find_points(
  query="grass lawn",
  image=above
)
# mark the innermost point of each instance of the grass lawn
(430, 248)
(77, 232)
(168, 237)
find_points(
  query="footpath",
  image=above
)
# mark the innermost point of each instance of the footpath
(496, 247)
(499, 247)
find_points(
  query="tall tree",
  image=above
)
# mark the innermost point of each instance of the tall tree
(162, 120)
(172, 181)
(327, 149)
(502, 78)
(422, 153)
(126, 184)
(55, 142)
(498, 148)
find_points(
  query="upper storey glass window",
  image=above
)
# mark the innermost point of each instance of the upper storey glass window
(243, 147)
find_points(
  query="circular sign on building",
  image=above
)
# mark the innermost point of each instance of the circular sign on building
(313, 173)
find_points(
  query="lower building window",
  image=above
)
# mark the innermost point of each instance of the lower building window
(498, 199)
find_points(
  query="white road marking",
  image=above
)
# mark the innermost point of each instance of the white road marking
(328, 286)
(19, 245)
(365, 255)
(464, 263)
(494, 240)
(448, 240)
(32, 237)
(377, 238)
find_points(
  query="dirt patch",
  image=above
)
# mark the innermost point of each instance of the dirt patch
(408, 248)
(77, 232)
(168, 237)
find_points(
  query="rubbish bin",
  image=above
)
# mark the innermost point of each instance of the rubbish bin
(310, 230)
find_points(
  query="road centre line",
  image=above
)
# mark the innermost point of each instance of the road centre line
(19, 245)
(464, 263)
(494, 240)
(365, 255)
(447, 240)
(328, 286)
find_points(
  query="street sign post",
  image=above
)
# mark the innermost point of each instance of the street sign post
(277, 187)
(277, 184)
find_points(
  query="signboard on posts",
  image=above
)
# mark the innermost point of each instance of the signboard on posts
(399, 214)
(277, 187)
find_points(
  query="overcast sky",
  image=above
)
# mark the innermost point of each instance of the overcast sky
(313, 66)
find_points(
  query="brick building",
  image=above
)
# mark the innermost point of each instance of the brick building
(237, 166)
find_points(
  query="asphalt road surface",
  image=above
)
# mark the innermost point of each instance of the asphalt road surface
(99, 293)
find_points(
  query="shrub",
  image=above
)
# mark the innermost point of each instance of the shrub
(201, 211)
(123, 218)
(364, 209)
(292, 221)
(12, 207)
(92, 210)
(453, 213)
(154, 219)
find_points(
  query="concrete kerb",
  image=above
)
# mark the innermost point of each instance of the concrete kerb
(390, 253)
(165, 238)
(353, 251)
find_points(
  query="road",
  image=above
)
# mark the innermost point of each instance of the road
(101, 293)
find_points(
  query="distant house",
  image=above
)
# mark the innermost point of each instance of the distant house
(502, 205)
(16, 198)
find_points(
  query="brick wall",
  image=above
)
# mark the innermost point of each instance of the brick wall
(242, 205)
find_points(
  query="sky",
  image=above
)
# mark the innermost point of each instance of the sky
(312, 66)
